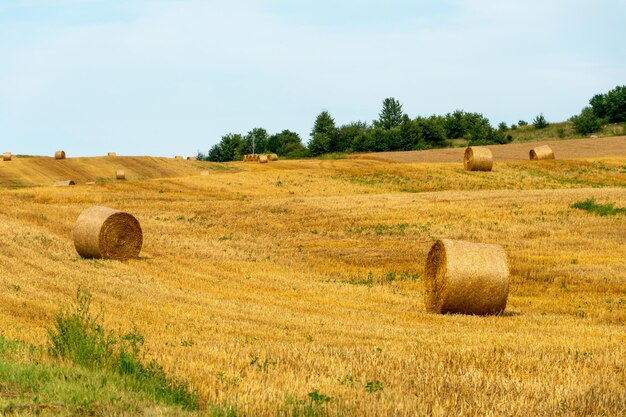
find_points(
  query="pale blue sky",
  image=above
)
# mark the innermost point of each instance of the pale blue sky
(168, 77)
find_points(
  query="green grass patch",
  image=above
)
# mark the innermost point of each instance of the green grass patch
(591, 206)
(31, 386)
(79, 336)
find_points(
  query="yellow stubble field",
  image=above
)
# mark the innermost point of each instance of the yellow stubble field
(263, 283)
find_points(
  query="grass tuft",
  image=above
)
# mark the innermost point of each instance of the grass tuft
(591, 206)
(79, 337)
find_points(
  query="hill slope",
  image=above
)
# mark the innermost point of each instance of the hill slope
(34, 171)
(563, 149)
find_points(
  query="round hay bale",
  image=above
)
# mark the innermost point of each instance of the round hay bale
(191, 158)
(59, 155)
(205, 172)
(272, 157)
(263, 159)
(256, 157)
(477, 159)
(7, 156)
(90, 183)
(179, 157)
(541, 152)
(464, 277)
(112, 154)
(65, 183)
(102, 232)
(120, 175)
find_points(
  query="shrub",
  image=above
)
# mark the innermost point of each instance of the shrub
(539, 122)
(80, 337)
(586, 122)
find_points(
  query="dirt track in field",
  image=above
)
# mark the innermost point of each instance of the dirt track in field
(563, 149)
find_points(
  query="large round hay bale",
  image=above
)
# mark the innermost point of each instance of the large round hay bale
(102, 232)
(464, 277)
(541, 153)
(120, 175)
(191, 158)
(255, 157)
(272, 157)
(263, 159)
(179, 157)
(112, 154)
(205, 172)
(7, 156)
(64, 183)
(477, 158)
(59, 155)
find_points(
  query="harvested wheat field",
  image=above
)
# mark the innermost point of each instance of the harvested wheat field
(263, 284)
(565, 149)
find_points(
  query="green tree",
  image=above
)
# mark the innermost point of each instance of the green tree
(226, 149)
(286, 143)
(346, 135)
(539, 122)
(257, 136)
(391, 114)
(323, 134)
(586, 122)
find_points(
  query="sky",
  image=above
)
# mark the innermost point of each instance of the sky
(171, 77)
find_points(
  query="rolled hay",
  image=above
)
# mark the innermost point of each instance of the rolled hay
(120, 175)
(90, 183)
(59, 155)
(191, 158)
(179, 157)
(541, 152)
(465, 277)
(272, 157)
(112, 154)
(7, 156)
(205, 172)
(255, 157)
(263, 159)
(65, 183)
(102, 232)
(477, 158)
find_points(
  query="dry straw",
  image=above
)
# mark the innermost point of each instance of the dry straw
(120, 175)
(541, 152)
(65, 183)
(179, 157)
(59, 155)
(112, 154)
(102, 232)
(7, 156)
(272, 157)
(464, 277)
(263, 159)
(191, 158)
(477, 159)
(205, 172)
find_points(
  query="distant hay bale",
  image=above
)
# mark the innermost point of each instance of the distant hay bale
(7, 156)
(541, 152)
(272, 157)
(464, 277)
(112, 154)
(191, 158)
(65, 183)
(255, 157)
(477, 159)
(179, 157)
(102, 232)
(205, 172)
(59, 155)
(90, 183)
(263, 159)
(120, 175)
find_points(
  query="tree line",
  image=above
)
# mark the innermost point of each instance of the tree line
(396, 131)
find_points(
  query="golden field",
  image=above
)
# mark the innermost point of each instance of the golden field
(263, 283)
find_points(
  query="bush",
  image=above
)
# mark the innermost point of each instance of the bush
(80, 337)
(539, 122)
(586, 122)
